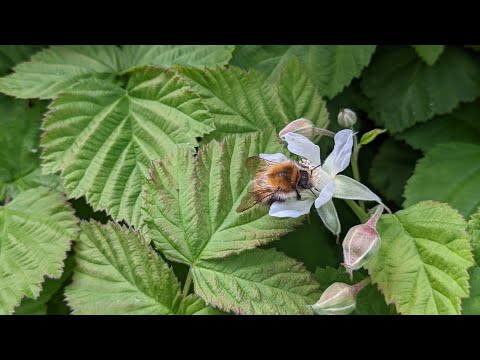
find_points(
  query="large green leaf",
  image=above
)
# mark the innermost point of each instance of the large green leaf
(102, 136)
(194, 305)
(405, 91)
(422, 263)
(10, 55)
(256, 282)
(168, 55)
(19, 150)
(117, 273)
(369, 300)
(462, 125)
(50, 287)
(36, 230)
(190, 201)
(57, 68)
(243, 102)
(471, 305)
(391, 168)
(429, 53)
(448, 173)
(332, 67)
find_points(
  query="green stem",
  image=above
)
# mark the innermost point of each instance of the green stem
(361, 284)
(354, 162)
(361, 214)
(8, 198)
(188, 283)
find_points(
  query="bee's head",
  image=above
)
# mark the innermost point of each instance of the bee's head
(304, 180)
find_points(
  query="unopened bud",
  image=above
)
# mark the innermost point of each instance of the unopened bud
(346, 118)
(361, 243)
(300, 126)
(339, 299)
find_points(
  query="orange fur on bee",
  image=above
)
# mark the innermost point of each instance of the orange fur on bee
(274, 182)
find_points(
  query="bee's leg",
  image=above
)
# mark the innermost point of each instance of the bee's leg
(298, 194)
(312, 192)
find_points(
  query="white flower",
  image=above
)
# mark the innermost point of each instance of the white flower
(327, 183)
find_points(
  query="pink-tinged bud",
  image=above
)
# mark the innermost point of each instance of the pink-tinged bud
(300, 126)
(338, 299)
(361, 243)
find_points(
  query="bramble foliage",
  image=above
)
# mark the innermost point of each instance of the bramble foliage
(152, 140)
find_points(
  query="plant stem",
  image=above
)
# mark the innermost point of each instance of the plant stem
(8, 198)
(361, 214)
(325, 132)
(188, 283)
(361, 284)
(354, 162)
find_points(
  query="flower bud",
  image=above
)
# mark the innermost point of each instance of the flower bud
(346, 118)
(361, 243)
(339, 299)
(300, 126)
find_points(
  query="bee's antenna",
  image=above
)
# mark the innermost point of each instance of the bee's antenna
(311, 171)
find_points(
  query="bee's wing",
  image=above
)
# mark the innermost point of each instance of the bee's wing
(254, 163)
(249, 201)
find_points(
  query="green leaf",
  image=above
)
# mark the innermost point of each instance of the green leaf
(369, 300)
(256, 282)
(57, 68)
(448, 173)
(36, 230)
(392, 166)
(311, 243)
(459, 126)
(299, 97)
(243, 102)
(422, 263)
(168, 55)
(405, 91)
(19, 152)
(194, 305)
(117, 273)
(103, 137)
(471, 305)
(332, 67)
(38, 306)
(190, 201)
(474, 231)
(368, 137)
(429, 53)
(10, 55)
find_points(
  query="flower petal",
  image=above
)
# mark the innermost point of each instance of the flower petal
(339, 158)
(329, 216)
(273, 157)
(347, 188)
(325, 194)
(300, 145)
(292, 208)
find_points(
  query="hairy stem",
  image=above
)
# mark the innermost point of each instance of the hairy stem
(361, 284)
(188, 284)
(8, 198)
(325, 132)
(361, 214)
